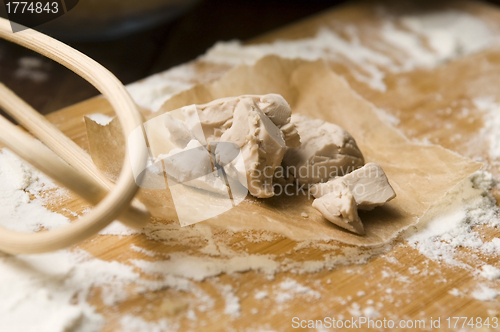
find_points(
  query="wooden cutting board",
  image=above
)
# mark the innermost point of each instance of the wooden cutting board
(386, 281)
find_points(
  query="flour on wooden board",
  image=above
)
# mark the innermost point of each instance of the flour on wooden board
(491, 109)
(153, 91)
(450, 224)
(100, 118)
(414, 41)
(449, 34)
(20, 181)
(484, 293)
(54, 288)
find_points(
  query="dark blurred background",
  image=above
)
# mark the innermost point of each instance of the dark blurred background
(135, 55)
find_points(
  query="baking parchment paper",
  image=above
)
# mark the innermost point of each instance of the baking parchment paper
(421, 174)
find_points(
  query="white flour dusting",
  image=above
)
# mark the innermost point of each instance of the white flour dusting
(53, 289)
(326, 43)
(154, 90)
(232, 306)
(491, 110)
(450, 34)
(201, 268)
(58, 284)
(289, 288)
(406, 43)
(100, 118)
(19, 182)
(117, 228)
(355, 310)
(131, 323)
(261, 295)
(143, 251)
(484, 293)
(370, 312)
(492, 247)
(490, 272)
(450, 224)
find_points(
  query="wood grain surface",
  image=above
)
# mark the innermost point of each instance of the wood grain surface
(399, 282)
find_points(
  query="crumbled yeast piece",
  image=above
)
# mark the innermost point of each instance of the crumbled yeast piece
(339, 207)
(199, 173)
(326, 151)
(279, 112)
(217, 116)
(369, 186)
(339, 199)
(262, 146)
(260, 126)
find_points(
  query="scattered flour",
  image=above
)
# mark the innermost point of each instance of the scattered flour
(414, 270)
(52, 289)
(387, 117)
(449, 35)
(261, 295)
(19, 182)
(201, 268)
(406, 43)
(143, 251)
(370, 312)
(100, 118)
(355, 310)
(131, 323)
(232, 301)
(154, 90)
(392, 260)
(74, 214)
(490, 272)
(491, 111)
(484, 293)
(326, 43)
(491, 247)
(117, 228)
(289, 288)
(449, 224)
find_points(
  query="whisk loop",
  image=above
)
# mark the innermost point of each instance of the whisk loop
(75, 169)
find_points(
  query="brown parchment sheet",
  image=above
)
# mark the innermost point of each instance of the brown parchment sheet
(420, 174)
